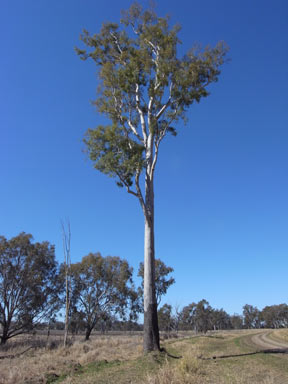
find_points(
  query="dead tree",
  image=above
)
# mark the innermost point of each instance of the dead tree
(66, 237)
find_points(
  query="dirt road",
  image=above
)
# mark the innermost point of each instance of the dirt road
(264, 340)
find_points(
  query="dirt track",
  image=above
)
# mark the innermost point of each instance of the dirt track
(263, 340)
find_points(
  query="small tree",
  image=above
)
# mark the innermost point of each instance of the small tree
(145, 88)
(236, 321)
(165, 318)
(197, 316)
(251, 316)
(162, 281)
(28, 284)
(203, 315)
(220, 319)
(275, 316)
(188, 316)
(177, 318)
(66, 237)
(100, 286)
(77, 321)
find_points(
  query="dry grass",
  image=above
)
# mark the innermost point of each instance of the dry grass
(189, 369)
(119, 359)
(40, 363)
(255, 369)
(281, 334)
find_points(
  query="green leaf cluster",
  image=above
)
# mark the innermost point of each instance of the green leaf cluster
(162, 279)
(113, 153)
(144, 87)
(29, 284)
(101, 286)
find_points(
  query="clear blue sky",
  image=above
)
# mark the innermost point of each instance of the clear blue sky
(221, 184)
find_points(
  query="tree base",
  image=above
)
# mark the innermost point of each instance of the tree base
(151, 339)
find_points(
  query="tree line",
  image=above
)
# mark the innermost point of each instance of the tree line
(201, 317)
(102, 295)
(34, 288)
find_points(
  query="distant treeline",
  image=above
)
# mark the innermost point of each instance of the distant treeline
(201, 317)
(35, 290)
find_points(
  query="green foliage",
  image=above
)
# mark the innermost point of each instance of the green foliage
(251, 316)
(162, 280)
(275, 316)
(236, 321)
(198, 316)
(101, 286)
(113, 153)
(144, 87)
(219, 319)
(29, 284)
(165, 318)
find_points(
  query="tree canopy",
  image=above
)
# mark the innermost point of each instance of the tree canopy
(162, 279)
(29, 284)
(101, 286)
(144, 88)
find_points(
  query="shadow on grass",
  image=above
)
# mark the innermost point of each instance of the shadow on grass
(278, 350)
(169, 354)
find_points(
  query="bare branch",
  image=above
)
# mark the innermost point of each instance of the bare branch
(155, 157)
(164, 107)
(116, 42)
(118, 110)
(157, 82)
(66, 235)
(139, 192)
(154, 47)
(134, 131)
(141, 114)
(160, 138)
(126, 185)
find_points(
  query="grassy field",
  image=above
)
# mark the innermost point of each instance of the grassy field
(119, 359)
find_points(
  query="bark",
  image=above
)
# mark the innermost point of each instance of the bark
(151, 331)
(4, 337)
(3, 340)
(66, 312)
(88, 333)
(66, 234)
(48, 332)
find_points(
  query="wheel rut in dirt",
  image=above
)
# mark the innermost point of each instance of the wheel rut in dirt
(263, 340)
(264, 343)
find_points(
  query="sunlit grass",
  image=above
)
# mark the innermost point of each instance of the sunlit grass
(119, 359)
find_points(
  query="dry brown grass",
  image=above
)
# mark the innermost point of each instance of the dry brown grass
(119, 359)
(255, 369)
(280, 334)
(38, 363)
(189, 369)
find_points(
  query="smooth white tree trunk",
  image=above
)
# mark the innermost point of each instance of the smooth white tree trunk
(151, 330)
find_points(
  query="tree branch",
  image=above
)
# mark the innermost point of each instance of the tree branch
(158, 141)
(157, 82)
(134, 131)
(139, 192)
(126, 185)
(118, 110)
(164, 107)
(141, 114)
(116, 43)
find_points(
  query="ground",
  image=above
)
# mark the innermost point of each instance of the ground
(118, 359)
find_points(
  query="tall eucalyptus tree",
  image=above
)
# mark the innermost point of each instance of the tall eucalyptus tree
(144, 88)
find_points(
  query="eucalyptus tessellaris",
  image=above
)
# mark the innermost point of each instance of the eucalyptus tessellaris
(145, 90)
